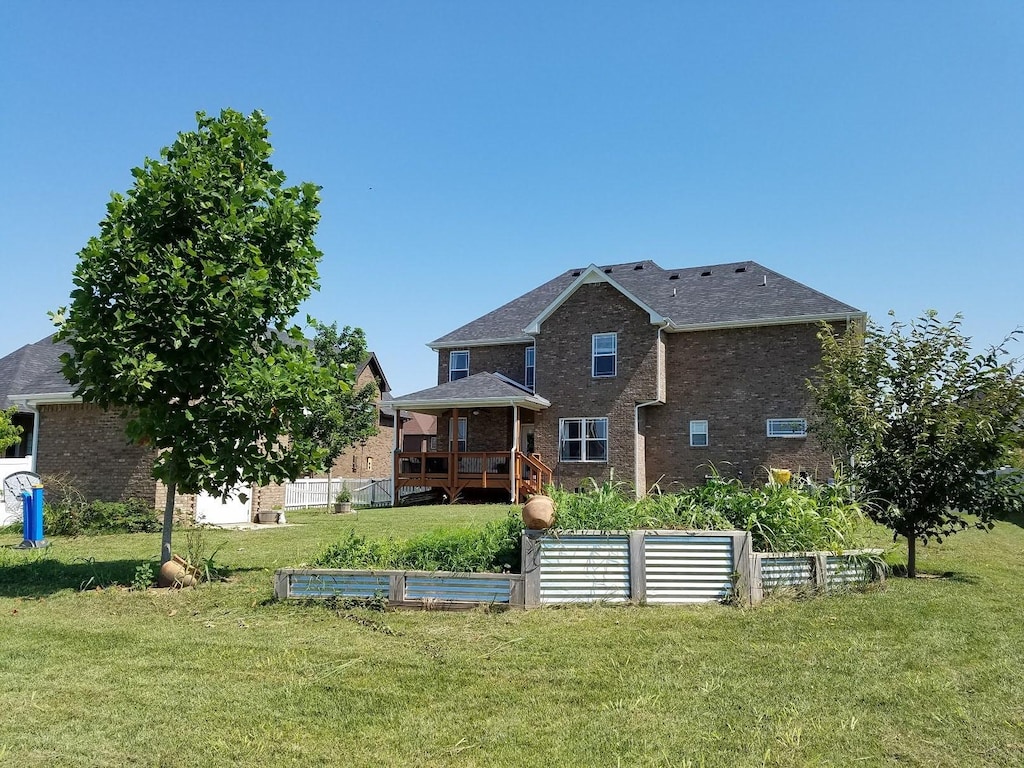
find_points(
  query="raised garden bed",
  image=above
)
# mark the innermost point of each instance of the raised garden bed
(644, 566)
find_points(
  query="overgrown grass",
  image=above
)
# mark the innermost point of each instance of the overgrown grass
(492, 547)
(928, 672)
(780, 518)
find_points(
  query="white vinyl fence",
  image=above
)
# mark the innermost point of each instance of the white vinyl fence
(366, 492)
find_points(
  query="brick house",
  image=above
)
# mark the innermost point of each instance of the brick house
(88, 447)
(631, 372)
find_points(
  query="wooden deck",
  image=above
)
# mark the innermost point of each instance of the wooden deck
(454, 472)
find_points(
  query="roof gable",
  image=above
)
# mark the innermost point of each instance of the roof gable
(591, 275)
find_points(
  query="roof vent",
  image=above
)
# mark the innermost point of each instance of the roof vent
(638, 266)
(674, 277)
(576, 273)
(608, 271)
(741, 269)
(706, 273)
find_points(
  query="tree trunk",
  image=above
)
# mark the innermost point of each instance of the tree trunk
(165, 544)
(911, 556)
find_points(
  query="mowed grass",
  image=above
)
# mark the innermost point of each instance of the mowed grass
(922, 673)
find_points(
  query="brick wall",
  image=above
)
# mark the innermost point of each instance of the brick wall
(377, 448)
(489, 430)
(88, 446)
(507, 359)
(564, 378)
(735, 380)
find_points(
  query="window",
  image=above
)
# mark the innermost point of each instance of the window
(369, 463)
(604, 346)
(698, 434)
(458, 365)
(462, 434)
(787, 427)
(531, 357)
(583, 439)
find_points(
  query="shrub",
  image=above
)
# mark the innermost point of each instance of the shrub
(77, 518)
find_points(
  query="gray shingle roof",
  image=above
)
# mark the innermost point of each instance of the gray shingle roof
(33, 369)
(738, 292)
(478, 388)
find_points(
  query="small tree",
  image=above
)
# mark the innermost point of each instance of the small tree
(921, 422)
(10, 433)
(180, 316)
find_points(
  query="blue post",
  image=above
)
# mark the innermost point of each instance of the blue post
(27, 518)
(32, 518)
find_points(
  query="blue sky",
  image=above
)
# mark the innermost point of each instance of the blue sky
(470, 151)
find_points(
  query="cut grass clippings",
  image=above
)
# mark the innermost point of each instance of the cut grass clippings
(922, 673)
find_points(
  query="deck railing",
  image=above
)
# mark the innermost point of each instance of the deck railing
(455, 471)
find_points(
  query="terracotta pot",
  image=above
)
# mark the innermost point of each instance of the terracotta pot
(173, 573)
(539, 513)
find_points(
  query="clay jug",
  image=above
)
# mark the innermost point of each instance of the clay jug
(539, 513)
(173, 573)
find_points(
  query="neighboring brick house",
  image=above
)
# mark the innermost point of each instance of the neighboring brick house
(87, 446)
(629, 372)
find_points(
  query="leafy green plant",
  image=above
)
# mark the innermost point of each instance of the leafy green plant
(143, 578)
(343, 496)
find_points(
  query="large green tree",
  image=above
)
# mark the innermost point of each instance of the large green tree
(181, 316)
(10, 433)
(921, 422)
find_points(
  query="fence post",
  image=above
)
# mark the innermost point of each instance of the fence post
(637, 567)
(281, 579)
(530, 568)
(821, 571)
(741, 564)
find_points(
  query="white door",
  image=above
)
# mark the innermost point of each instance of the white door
(212, 510)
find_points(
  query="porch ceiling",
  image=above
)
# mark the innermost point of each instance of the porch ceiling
(481, 390)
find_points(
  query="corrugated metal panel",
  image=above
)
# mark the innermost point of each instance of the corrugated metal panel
(458, 588)
(337, 585)
(786, 572)
(575, 569)
(688, 569)
(847, 570)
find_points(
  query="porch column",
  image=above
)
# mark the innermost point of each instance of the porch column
(394, 458)
(453, 458)
(513, 464)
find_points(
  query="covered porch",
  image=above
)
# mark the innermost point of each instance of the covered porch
(484, 439)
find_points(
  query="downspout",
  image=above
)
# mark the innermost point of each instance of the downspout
(639, 483)
(35, 435)
(512, 466)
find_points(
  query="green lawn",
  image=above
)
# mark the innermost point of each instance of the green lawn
(922, 673)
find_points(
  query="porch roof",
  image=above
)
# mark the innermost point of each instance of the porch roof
(481, 390)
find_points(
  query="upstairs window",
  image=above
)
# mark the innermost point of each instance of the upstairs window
(583, 440)
(458, 365)
(698, 434)
(531, 368)
(604, 348)
(787, 427)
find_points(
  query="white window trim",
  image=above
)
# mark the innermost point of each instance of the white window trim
(583, 439)
(451, 360)
(530, 368)
(693, 432)
(773, 425)
(614, 356)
